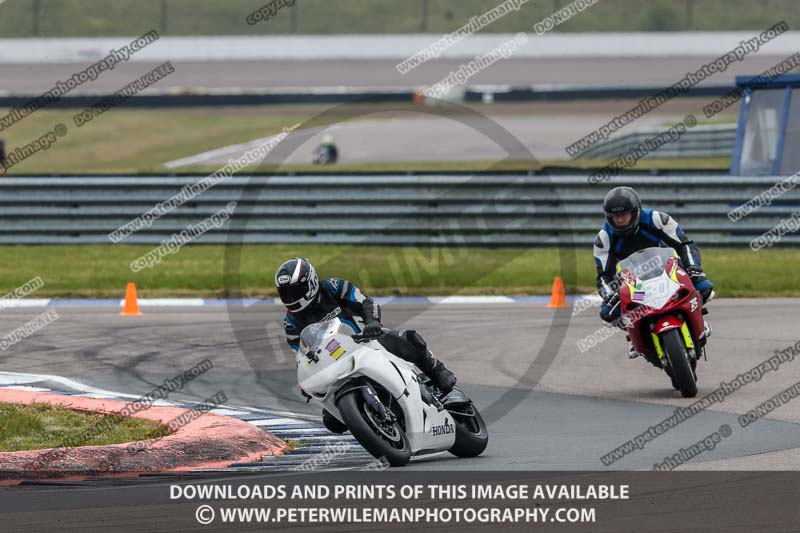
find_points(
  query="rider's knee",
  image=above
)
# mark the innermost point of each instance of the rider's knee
(415, 339)
(705, 288)
(410, 346)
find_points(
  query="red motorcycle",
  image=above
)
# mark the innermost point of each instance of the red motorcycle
(663, 314)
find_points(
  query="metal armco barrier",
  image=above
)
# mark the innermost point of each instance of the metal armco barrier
(700, 141)
(481, 210)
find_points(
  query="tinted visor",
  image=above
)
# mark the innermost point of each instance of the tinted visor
(290, 294)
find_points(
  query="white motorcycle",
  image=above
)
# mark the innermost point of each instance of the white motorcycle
(385, 403)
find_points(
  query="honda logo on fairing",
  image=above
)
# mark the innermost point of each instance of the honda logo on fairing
(444, 429)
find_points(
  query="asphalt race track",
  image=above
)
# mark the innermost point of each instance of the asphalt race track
(430, 137)
(585, 405)
(278, 75)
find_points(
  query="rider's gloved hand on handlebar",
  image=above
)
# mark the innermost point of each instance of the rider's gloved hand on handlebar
(611, 300)
(610, 310)
(372, 330)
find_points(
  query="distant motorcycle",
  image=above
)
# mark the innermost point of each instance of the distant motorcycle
(663, 314)
(390, 408)
(326, 153)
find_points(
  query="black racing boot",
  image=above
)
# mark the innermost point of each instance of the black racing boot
(441, 377)
(332, 423)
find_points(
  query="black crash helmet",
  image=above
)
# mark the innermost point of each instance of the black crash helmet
(297, 283)
(620, 200)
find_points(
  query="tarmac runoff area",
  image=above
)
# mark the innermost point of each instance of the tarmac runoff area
(338, 74)
(585, 405)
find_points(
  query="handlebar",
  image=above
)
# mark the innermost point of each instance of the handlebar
(362, 338)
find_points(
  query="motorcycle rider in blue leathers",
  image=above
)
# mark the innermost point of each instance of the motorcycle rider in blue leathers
(629, 228)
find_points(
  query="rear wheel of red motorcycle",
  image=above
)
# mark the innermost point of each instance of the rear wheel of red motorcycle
(681, 369)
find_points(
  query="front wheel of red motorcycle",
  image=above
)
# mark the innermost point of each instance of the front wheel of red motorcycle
(679, 363)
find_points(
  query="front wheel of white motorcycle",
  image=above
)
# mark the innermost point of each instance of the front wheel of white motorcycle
(382, 439)
(472, 436)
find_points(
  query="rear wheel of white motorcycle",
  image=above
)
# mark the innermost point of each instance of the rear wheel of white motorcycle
(680, 367)
(381, 439)
(471, 433)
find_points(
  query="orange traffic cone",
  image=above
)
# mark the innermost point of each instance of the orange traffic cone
(558, 298)
(131, 303)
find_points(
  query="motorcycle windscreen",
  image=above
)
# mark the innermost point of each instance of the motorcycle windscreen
(313, 334)
(648, 263)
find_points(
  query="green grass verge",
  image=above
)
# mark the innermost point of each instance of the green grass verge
(37, 426)
(141, 140)
(101, 271)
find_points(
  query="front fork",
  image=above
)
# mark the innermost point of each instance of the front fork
(685, 333)
(374, 403)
